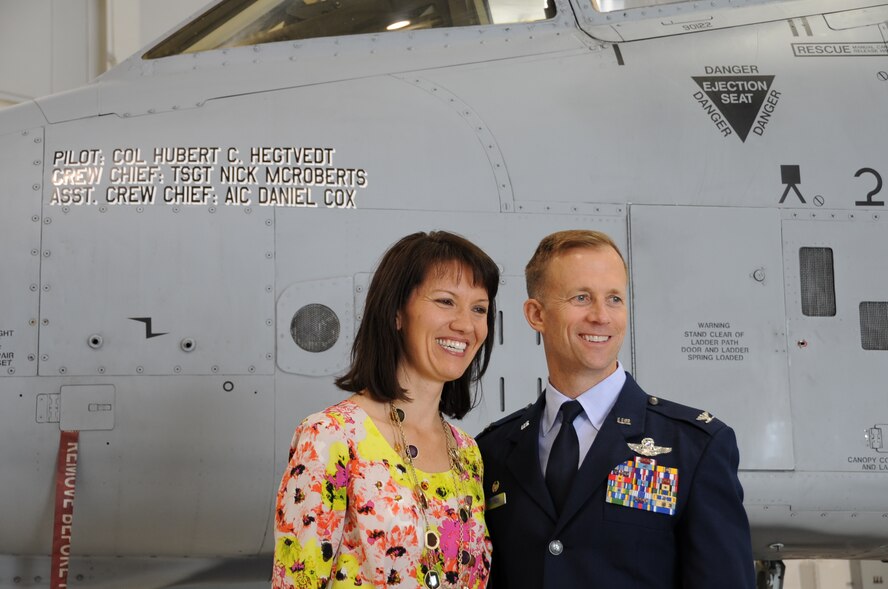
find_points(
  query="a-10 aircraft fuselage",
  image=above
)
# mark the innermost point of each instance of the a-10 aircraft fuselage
(187, 243)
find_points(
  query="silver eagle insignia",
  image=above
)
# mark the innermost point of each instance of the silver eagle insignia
(648, 448)
(705, 416)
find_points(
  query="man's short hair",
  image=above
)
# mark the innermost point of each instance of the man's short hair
(556, 244)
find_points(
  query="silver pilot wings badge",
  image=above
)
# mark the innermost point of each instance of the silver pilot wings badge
(647, 447)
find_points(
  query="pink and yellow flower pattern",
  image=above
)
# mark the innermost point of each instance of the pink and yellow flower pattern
(347, 516)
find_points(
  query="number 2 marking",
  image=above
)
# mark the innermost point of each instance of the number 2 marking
(869, 202)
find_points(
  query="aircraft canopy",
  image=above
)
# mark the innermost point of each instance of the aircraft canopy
(238, 23)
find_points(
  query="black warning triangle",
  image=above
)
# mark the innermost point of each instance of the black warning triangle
(739, 98)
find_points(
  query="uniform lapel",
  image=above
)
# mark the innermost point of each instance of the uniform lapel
(624, 422)
(524, 459)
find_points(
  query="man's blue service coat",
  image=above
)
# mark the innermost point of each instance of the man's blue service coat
(594, 543)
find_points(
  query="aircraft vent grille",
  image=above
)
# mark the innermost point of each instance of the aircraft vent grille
(818, 281)
(874, 325)
(315, 328)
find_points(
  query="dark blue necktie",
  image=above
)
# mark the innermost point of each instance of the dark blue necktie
(565, 455)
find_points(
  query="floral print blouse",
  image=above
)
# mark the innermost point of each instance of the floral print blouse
(347, 515)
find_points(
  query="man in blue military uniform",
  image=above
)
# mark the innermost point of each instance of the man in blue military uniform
(598, 484)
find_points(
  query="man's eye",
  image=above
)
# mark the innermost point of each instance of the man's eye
(582, 298)
(616, 300)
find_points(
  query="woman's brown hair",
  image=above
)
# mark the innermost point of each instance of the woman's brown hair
(379, 347)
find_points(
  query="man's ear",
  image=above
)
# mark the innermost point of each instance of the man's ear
(533, 312)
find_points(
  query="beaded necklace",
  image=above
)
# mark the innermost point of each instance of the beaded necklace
(432, 555)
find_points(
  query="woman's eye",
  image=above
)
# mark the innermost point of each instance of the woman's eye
(481, 310)
(445, 301)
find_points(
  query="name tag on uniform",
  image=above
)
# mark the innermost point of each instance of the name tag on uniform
(496, 501)
(641, 484)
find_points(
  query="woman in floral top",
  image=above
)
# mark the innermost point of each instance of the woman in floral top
(380, 491)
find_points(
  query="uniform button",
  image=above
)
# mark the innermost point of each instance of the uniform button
(556, 547)
(654, 401)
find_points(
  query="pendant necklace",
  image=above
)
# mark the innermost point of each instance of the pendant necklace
(433, 556)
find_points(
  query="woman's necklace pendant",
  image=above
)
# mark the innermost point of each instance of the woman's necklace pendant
(465, 558)
(432, 540)
(432, 579)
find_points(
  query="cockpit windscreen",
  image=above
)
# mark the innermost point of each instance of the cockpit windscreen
(238, 23)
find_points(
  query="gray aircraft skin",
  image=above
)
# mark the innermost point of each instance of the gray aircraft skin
(187, 243)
